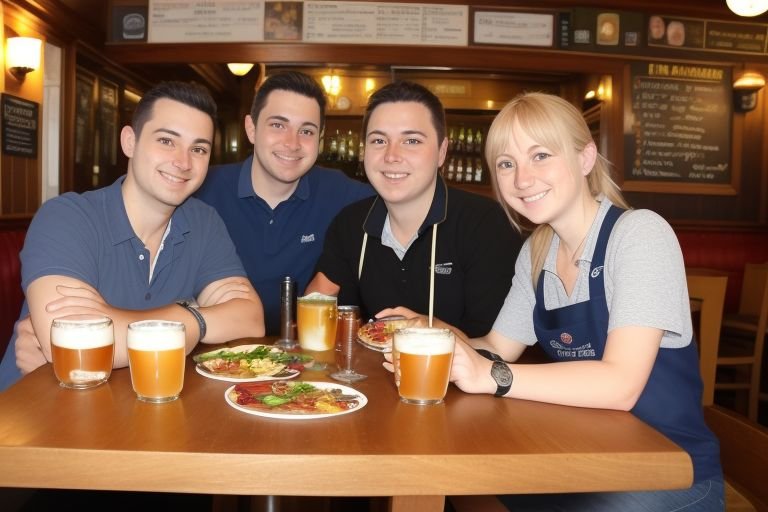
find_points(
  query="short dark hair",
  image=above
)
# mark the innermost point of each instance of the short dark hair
(291, 81)
(406, 91)
(189, 93)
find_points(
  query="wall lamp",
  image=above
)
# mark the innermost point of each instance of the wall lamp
(747, 7)
(22, 55)
(239, 68)
(745, 89)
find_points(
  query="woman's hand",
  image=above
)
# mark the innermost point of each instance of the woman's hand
(470, 371)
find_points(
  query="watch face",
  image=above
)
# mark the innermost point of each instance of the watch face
(501, 374)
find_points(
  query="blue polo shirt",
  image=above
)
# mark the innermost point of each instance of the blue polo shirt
(89, 237)
(286, 241)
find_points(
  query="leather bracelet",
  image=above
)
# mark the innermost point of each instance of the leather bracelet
(198, 316)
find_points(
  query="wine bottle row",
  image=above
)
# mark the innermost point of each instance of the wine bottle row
(465, 140)
(342, 147)
(464, 169)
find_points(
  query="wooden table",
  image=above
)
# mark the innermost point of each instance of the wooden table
(105, 439)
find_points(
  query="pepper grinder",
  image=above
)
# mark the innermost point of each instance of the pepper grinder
(287, 307)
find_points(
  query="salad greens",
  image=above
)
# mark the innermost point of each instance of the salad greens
(260, 352)
(292, 391)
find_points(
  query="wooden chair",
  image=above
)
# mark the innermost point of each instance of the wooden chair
(751, 321)
(707, 292)
(744, 456)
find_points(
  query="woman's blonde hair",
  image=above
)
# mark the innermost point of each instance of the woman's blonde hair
(559, 126)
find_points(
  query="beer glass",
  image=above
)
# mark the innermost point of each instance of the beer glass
(316, 319)
(82, 347)
(156, 358)
(422, 357)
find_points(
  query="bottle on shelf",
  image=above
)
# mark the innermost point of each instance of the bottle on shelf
(342, 147)
(470, 146)
(451, 174)
(478, 170)
(460, 170)
(460, 142)
(479, 141)
(333, 148)
(451, 139)
(351, 147)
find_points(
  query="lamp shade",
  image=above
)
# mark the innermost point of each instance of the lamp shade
(23, 54)
(239, 68)
(749, 81)
(748, 7)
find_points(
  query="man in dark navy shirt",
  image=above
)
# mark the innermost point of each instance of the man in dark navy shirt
(277, 204)
(379, 251)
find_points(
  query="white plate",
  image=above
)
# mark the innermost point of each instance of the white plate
(286, 373)
(362, 400)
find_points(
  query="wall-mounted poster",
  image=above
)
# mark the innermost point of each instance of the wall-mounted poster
(20, 126)
(283, 21)
(514, 28)
(677, 131)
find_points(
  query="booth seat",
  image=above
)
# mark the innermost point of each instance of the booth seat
(11, 295)
(727, 251)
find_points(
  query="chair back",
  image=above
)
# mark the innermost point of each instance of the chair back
(754, 289)
(709, 291)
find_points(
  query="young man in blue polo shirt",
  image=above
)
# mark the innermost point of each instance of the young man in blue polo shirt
(379, 251)
(140, 248)
(277, 204)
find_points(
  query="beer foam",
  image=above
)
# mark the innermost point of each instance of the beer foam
(317, 297)
(151, 335)
(82, 336)
(424, 341)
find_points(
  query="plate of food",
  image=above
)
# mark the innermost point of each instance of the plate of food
(377, 333)
(251, 363)
(294, 400)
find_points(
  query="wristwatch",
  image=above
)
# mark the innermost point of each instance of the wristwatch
(503, 377)
(191, 306)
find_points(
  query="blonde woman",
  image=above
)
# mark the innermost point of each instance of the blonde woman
(602, 289)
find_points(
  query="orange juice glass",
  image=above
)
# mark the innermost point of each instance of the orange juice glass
(156, 358)
(316, 321)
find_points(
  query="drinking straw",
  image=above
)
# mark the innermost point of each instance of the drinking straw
(432, 275)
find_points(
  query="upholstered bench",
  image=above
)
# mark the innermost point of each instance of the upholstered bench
(11, 295)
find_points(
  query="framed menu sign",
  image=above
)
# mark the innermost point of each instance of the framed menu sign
(677, 129)
(20, 126)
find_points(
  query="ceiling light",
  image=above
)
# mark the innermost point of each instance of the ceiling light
(748, 7)
(239, 68)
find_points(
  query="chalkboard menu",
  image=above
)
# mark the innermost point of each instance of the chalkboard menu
(20, 122)
(678, 124)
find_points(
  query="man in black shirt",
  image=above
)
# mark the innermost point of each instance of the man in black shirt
(378, 252)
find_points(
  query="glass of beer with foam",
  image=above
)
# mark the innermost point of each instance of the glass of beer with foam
(316, 321)
(156, 358)
(422, 357)
(82, 347)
